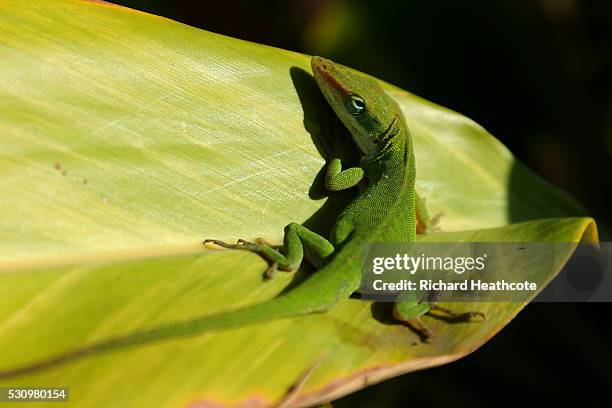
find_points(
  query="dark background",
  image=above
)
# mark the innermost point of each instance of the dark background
(538, 75)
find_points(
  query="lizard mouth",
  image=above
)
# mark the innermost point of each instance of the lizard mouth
(323, 70)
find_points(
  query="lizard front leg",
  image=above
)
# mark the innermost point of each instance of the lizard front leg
(337, 179)
(299, 241)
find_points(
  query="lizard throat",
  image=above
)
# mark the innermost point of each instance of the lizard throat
(384, 139)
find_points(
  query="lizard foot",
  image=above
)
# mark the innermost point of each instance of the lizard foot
(269, 252)
(240, 244)
(271, 271)
(424, 333)
(458, 317)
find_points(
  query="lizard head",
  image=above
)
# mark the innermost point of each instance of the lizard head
(359, 102)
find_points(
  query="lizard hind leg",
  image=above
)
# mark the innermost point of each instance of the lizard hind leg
(425, 223)
(409, 313)
(289, 256)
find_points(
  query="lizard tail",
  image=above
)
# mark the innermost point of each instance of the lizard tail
(305, 299)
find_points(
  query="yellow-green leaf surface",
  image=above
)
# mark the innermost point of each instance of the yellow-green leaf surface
(127, 138)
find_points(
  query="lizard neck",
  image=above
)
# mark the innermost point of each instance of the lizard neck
(387, 205)
(394, 165)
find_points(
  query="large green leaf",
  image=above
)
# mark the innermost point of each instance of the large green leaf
(127, 138)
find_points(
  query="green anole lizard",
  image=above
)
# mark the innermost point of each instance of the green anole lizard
(386, 210)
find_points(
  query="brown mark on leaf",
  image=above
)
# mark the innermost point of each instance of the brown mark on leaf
(251, 402)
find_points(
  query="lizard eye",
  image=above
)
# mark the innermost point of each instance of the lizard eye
(355, 105)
